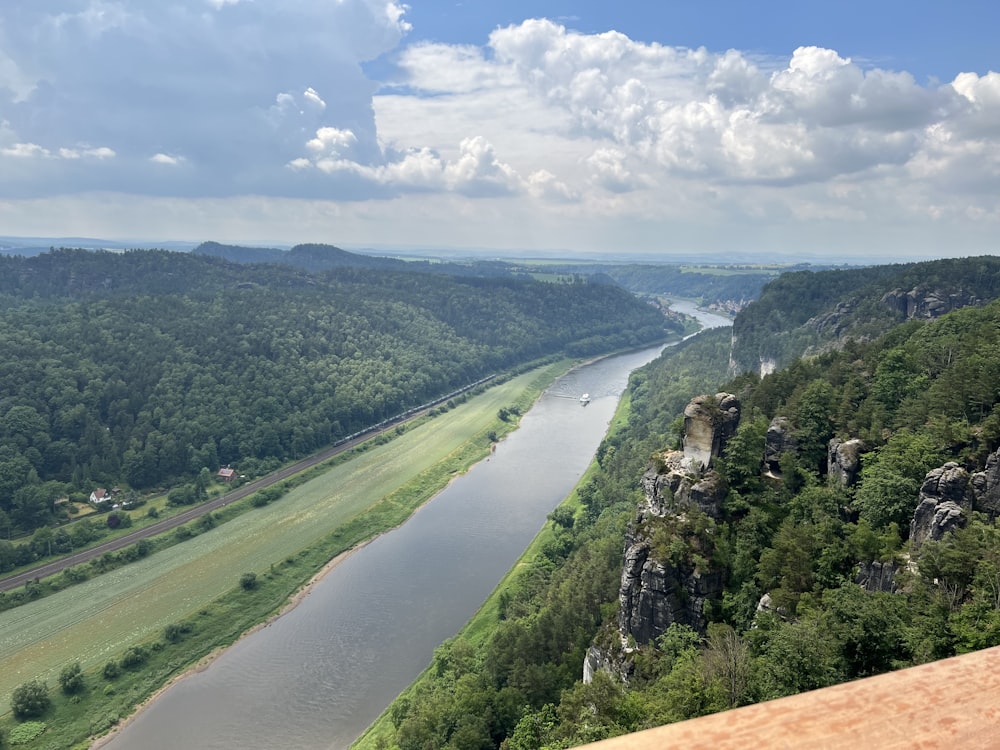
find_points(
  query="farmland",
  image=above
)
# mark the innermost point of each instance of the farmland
(96, 620)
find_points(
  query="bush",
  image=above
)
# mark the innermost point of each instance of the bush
(248, 581)
(30, 699)
(133, 657)
(183, 532)
(111, 670)
(71, 679)
(24, 733)
(176, 631)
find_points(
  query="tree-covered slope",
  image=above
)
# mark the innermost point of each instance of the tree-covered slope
(924, 395)
(143, 368)
(808, 311)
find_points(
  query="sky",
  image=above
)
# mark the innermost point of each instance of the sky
(847, 129)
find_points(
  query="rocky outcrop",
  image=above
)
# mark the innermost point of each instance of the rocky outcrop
(673, 486)
(835, 323)
(877, 576)
(925, 303)
(779, 440)
(843, 461)
(945, 499)
(653, 595)
(986, 487)
(709, 421)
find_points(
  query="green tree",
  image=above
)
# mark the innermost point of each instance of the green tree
(71, 678)
(891, 477)
(30, 699)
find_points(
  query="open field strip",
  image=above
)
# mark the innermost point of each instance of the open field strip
(96, 620)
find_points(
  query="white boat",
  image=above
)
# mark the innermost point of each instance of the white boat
(585, 398)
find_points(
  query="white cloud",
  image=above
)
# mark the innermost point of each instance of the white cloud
(166, 159)
(577, 134)
(25, 151)
(238, 88)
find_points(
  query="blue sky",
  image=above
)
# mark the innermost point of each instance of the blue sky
(846, 129)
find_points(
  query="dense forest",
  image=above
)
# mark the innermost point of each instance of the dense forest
(808, 311)
(143, 368)
(791, 546)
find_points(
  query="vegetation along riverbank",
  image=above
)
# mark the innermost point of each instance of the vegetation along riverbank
(237, 579)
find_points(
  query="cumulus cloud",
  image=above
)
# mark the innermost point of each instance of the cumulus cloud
(271, 99)
(166, 159)
(237, 87)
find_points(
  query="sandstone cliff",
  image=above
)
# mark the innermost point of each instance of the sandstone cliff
(667, 574)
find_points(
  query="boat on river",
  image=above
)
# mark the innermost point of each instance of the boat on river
(585, 399)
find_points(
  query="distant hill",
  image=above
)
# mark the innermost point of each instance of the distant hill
(807, 312)
(316, 257)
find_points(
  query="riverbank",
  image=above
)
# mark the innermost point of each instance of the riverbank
(321, 675)
(206, 661)
(283, 583)
(473, 640)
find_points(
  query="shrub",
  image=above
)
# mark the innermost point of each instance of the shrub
(182, 533)
(176, 631)
(71, 679)
(24, 733)
(30, 699)
(248, 581)
(111, 670)
(133, 657)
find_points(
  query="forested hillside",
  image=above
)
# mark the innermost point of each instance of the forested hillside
(320, 257)
(788, 564)
(143, 368)
(808, 311)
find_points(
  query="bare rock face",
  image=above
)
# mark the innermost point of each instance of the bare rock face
(843, 461)
(677, 485)
(654, 595)
(779, 440)
(986, 486)
(709, 421)
(925, 303)
(877, 576)
(945, 498)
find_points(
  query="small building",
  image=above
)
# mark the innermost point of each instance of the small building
(226, 474)
(99, 497)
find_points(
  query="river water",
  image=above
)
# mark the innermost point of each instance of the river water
(319, 675)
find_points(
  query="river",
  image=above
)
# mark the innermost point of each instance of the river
(319, 675)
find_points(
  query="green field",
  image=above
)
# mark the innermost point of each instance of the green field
(94, 621)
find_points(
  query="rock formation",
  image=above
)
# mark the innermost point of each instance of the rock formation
(986, 486)
(709, 421)
(673, 486)
(924, 303)
(945, 499)
(843, 461)
(779, 440)
(656, 593)
(877, 576)
(653, 595)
